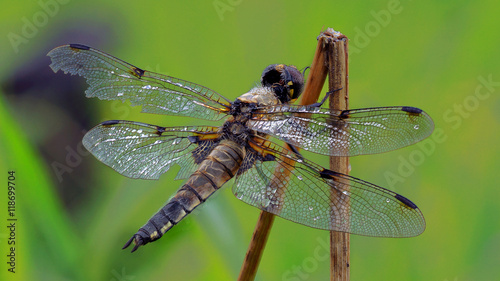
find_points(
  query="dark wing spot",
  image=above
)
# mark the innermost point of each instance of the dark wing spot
(295, 151)
(344, 114)
(138, 72)
(110, 122)
(406, 201)
(193, 139)
(79, 47)
(269, 157)
(160, 130)
(411, 110)
(327, 174)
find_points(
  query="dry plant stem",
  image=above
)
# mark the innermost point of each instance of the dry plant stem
(339, 100)
(317, 75)
(314, 84)
(254, 253)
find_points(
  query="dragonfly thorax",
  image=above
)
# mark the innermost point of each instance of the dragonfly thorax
(260, 95)
(236, 131)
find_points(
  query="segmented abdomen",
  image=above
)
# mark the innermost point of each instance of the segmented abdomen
(217, 168)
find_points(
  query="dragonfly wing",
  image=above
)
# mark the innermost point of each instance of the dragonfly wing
(110, 78)
(344, 133)
(301, 191)
(144, 151)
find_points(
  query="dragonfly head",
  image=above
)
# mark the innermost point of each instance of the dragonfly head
(286, 81)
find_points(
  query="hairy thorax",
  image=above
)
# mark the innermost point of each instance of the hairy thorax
(235, 127)
(262, 96)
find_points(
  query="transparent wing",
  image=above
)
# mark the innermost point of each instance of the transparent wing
(110, 78)
(144, 151)
(344, 133)
(300, 191)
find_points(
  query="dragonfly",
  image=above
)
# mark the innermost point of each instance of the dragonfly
(257, 144)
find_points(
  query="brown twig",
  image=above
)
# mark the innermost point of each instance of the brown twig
(339, 100)
(315, 81)
(256, 247)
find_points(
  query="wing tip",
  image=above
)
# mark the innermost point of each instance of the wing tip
(411, 109)
(406, 201)
(79, 47)
(60, 59)
(110, 122)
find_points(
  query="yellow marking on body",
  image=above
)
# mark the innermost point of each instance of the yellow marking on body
(225, 109)
(211, 136)
(154, 235)
(166, 227)
(182, 214)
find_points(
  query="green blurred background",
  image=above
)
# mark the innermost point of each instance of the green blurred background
(74, 213)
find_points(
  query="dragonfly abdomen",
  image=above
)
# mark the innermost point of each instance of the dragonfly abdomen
(215, 170)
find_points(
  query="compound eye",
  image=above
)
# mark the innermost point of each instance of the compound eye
(271, 75)
(286, 81)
